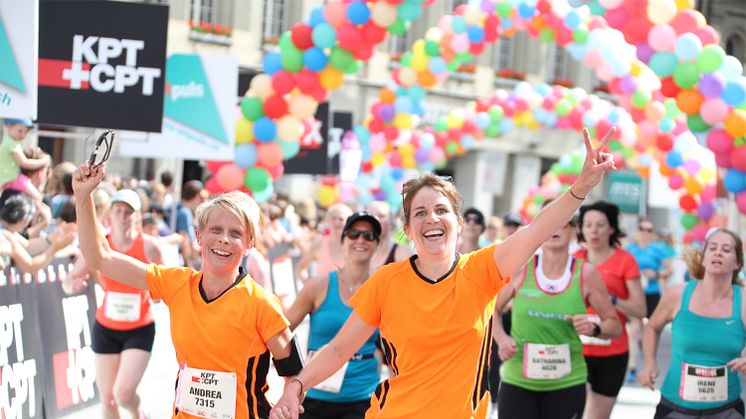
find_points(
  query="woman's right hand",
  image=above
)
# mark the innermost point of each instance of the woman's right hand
(506, 348)
(86, 179)
(647, 377)
(288, 407)
(62, 236)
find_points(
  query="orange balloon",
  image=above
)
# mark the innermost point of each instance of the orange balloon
(735, 123)
(693, 186)
(387, 95)
(689, 101)
(426, 78)
(665, 170)
(644, 172)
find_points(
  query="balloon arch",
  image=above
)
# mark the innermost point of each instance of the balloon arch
(675, 88)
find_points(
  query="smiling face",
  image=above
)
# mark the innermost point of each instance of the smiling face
(433, 225)
(596, 230)
(224, 242)
(720, 255)
(359, 249)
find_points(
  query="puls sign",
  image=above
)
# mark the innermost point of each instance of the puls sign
(102, 64)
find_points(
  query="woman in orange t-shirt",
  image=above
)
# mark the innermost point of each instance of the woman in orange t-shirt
(124, 331)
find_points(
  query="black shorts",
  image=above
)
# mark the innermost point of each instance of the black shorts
(606, 373)
(652, 302)
(109, 341)
(319, 409)
(668, 410)
(518, 402)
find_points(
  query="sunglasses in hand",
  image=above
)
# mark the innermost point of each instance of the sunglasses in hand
(353, 234)
(102, 149)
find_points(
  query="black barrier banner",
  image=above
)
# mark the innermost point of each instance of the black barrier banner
(65, 323)
(47, 366)
(21, 358)
(313, 156)
(102, 64)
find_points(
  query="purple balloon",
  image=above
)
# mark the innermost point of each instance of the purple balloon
(628, 84)
(644, 52)
(705, 211)
(711, 84)
(387, 113)
(379, 195)
(421, 156)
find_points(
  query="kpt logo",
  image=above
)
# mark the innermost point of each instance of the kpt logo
(91, 66)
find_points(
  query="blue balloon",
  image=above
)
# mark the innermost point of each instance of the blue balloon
(437, 65)
(572, 19)
(734, 93)
(467, 142)
(315, 59)
(245, 156)
(261, 196)
(403, 104)
(363, 135)
(526, 10)
(397, 173)
(458, 24)
(506, 23)
(317, 16)
(483, 120)
(674, 159)
(409, 11)
(358, 13)
(735, 181)
(476, 34)
(416, 92)
(687, 47)
(265, 129)
(417, 108)
(272, 63)
(324, 35)
(576, 51)
(663, 63)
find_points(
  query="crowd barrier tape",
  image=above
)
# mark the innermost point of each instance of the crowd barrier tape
(47, 367)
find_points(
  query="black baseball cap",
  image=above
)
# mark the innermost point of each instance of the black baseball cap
(478, 214)
(513, 219)
(362, 216)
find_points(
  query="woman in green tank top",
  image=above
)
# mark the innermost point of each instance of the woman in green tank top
(544, 372)
(707, 335)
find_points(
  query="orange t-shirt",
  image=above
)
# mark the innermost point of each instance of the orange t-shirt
(619, 268)
(435, 335)
(125, 307)
(226, 334)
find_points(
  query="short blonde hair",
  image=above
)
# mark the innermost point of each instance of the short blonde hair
(237, 203)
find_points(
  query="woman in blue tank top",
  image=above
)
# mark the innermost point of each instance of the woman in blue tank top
(346, 394)
(707, 338)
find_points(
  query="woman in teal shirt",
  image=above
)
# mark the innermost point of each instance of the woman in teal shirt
(544, 372)
(708, 336)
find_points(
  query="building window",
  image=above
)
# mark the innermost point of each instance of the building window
(735, 45)
(451, 5)
(398, 45)
(204, 11)
(558, 62)
(502, 57)
(275, 15)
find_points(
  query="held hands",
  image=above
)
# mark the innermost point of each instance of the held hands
(506, 348)
(288, 407)
(86, 179)
(597, 162)
(738, 365)
(647, 377)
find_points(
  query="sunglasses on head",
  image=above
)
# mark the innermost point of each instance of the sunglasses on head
(353, 234)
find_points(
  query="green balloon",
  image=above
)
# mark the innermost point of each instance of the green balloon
(710, 58)
(615, 146)
(576, 165)
(492, 131)
(453, 65)
(353, 68)
(291, 58)
(672, 110)
(340, 58)
(452, 147)
(546, 35)
(640, 98)
(580, 35)
(626, 151)
(406, 58)
(252, 108)
(563, 107)
(696, 123)
(686, 75)
(503, 9)
(689, 220)
(398, 27)
(465, 57)
(538, 199)
(496, 113)
(257, 179)
(441, 125)
(432, 48)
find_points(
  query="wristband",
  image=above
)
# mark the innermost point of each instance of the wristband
(575, 196)
(596, 330)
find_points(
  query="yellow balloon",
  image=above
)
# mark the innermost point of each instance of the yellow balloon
(418, 62)
(244, 131)
(454, 120)
(327, 195)
(684, 4)
(636, 68)
(302, 106)
(418, 47)
(377, 159)
(261, 86)
(408, 162)
(693, 186)
(406, 149)
(403, 121)
(331, 78)
(472, 15)
(661, 11)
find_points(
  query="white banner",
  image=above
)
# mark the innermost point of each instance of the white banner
(19, 49)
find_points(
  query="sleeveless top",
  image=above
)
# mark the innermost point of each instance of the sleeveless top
(361, 377)
(125, 307)
(698, 342)
(550, 354)
(391, 258)
(324, 261)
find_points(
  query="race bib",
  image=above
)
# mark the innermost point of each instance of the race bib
(546, 362)
(703, 384)
(333, 384)
(206, 394)
(122, 307)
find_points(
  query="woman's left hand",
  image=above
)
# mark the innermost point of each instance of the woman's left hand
(596, 164)
(738, 365)
(584, 324)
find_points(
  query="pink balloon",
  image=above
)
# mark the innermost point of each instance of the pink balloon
(700, 231)
(687, 20)
(675, 181)
(741, 202)
(708, 193)
(230, 177)
(662, 37)
(212, 186)
(714, 111)
(335, 13)
(269, 154)
(708, 35)
(719, 141)
(691, 166)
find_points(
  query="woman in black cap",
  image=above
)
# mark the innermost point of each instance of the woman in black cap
(346, 394)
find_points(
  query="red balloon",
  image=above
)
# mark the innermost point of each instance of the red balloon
(301, 36)
(664, 143)
(391, 132)
(687, 20)
(214, 165)
(283, 82)
(669, 87)
(490, 28)
(276, 171)
(349, 37)
(212, 185)
(723, 160)
(688, 203)
(319, 95)
(275, 107)
(636, 30)
(373, 34)
(476, 49)
(363, 52)
(308, 81)
(738, 158)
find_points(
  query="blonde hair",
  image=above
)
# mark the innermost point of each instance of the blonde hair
(237, 203)
(693, 257)
(430, 180)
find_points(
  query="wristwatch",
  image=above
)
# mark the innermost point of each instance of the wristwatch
(596, 330)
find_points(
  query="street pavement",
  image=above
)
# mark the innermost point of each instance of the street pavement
(156, 388)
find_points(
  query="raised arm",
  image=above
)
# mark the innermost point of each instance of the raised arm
(29, 264)
(306, 301)
(516, 249)
(93, 244)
